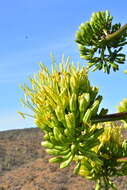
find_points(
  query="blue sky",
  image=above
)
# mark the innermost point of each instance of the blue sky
(30, 30)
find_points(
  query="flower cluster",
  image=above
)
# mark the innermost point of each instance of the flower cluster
(100, 42)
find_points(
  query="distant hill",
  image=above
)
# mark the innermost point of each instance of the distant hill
(24, 165)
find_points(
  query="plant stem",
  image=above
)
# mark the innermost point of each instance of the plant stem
(106, 184)
(116, 34)
(110, 117)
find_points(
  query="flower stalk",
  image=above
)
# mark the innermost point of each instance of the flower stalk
(110, 117)
(116, 34)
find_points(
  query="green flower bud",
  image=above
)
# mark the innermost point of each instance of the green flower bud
(74, 84)
(87, 116)
(95, 106)
(84, 101)
(73, 102)
(70, 121)
(56, 160)
(47, 144)
(60, 113)
(66, 162)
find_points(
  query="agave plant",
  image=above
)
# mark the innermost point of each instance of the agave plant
(67, 108)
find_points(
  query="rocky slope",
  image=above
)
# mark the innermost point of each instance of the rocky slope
(24, 165)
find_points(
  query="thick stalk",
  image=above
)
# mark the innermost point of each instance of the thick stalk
(116, 34)
(110, 117)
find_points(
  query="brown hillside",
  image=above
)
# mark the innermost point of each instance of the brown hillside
(24, 165)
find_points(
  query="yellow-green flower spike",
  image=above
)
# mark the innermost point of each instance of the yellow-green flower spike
(63, 102)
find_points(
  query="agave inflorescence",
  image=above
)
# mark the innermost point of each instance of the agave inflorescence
(112, 151)
(63, 102)
(66, 107)
(99, 44)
